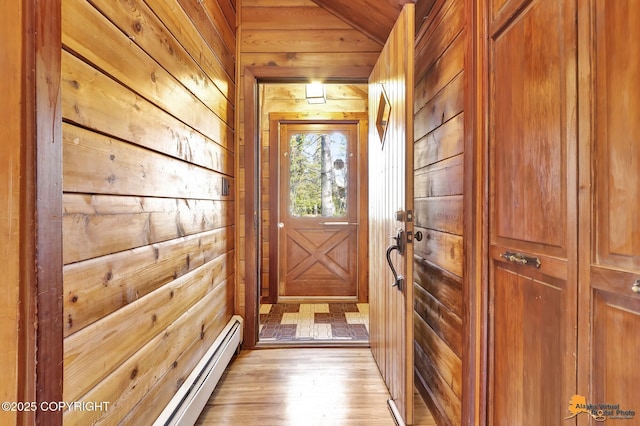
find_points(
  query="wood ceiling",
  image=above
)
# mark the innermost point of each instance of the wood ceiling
(375, 18)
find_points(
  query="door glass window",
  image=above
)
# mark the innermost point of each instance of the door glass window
(318, 175)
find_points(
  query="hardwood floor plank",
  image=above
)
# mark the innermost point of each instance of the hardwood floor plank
(309, 386)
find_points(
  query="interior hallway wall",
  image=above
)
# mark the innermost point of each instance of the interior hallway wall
(438, 151)
(148, 92)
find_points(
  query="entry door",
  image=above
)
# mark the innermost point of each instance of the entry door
(318, 241)
(533, 218)
(612, 281)
(391, 86)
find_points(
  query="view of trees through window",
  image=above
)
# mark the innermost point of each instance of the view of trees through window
(318, 175)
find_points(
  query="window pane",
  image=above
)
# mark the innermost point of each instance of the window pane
(318, 175)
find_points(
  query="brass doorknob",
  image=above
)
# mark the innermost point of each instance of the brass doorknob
(636, 286)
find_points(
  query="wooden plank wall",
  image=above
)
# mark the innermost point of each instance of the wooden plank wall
(291, 39)
(438, 261)
(290, 98)
(148, 132)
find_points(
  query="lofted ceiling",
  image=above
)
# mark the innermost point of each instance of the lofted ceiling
(375, 18)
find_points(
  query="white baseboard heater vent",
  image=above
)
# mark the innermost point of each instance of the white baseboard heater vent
(187, 404)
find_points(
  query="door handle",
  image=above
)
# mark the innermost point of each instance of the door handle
(521, 259)
(636, 286)
(398, 280)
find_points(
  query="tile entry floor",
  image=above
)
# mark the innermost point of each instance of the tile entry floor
(314, 322)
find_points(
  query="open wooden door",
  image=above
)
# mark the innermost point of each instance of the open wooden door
(390, 207)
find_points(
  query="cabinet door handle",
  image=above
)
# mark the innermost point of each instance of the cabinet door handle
(521, 259)
(636, 286)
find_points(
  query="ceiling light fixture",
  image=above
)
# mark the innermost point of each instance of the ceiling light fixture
(315, 93)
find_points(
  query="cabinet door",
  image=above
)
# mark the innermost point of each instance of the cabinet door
(533, 214)
(613, 282)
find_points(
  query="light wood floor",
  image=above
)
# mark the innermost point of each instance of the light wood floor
(303, 386)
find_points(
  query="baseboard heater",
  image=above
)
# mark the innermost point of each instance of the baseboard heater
(187, 404)
(395, 413)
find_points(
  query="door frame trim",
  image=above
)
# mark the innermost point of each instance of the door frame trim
(250, 76)
(361, 120)
(476, 231)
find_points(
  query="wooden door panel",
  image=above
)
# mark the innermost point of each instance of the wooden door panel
(532, 165)
(391, 86)
(616, 321)
(618, 132)
(529, 131)
(319, 255)
(613, 339)
(529, 347)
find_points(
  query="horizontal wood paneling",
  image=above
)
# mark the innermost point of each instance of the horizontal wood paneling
(136, 376)
(442, 213)
(316, 41)
(443, 142)
(315, 63)
(430, 81)
(436, 111)
(98, 287)
(447, 364)
(438, 184)
(439, 179)
(300, 18)
(439, 33)
(149, 197)
(441, 284)
(100, 225)
(442, 249)
(144, 124)
(117, 337)
(213, 12)
(440, 398)
(128, 63)
(94, 163)
(210, 34)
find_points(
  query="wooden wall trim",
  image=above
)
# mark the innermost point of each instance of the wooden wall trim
(475, 282)
(252, 199)
(41, 280)
(252, 208)
(328, 75)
